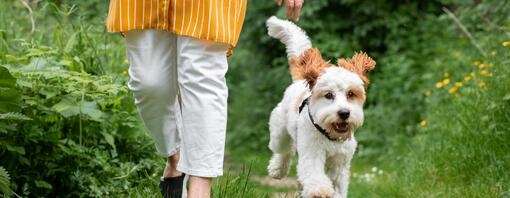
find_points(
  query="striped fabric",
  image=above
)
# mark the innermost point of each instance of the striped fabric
(214, 20)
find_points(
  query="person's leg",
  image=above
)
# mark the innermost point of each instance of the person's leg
(153, 80)
(201, 70)
(199, 187)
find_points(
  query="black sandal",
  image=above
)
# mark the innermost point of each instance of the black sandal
(171, 187)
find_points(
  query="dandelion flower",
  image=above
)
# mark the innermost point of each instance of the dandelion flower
(506, 43)
(446, 81)
(493, 53)
(490, 74)
(423, 123)
(467, 78)
(476, 63)
(452, 90)
(458, 84)
(481, 66)
(472, 74)
(484, 72)
(482, 85)
(439, 85)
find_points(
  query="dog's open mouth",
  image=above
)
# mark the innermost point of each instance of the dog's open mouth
(341, 127)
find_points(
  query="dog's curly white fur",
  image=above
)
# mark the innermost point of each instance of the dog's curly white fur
(335, 97)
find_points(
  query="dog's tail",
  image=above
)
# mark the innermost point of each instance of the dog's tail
(290, 34)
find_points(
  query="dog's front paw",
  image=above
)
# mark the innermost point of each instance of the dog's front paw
(279, 166)
(276, 173)
(318, 192)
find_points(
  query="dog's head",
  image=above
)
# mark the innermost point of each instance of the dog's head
(337, 92)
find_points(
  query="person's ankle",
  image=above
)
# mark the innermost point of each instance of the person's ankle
(171, 167)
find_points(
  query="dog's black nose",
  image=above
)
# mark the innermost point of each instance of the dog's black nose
(344, 114)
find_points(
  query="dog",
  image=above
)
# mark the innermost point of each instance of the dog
(318, 114)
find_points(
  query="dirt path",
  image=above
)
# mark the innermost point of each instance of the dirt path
(284, 183)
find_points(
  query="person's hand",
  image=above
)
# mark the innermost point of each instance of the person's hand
(293, 8)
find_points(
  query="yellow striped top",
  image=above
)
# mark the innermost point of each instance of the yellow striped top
(214, 20)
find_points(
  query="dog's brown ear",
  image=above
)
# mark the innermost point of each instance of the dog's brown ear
(309, 66)
(360, 63)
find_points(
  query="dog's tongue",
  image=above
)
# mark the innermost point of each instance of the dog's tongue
(341, 127)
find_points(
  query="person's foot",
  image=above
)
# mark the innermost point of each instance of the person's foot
(171, 187)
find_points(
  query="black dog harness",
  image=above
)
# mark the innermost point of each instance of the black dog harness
(319, 128)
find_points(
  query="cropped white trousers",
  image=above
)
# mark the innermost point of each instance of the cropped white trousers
(181, 94)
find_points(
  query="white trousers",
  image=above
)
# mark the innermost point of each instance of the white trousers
(180, 91)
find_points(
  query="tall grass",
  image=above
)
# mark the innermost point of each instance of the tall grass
(461, 144)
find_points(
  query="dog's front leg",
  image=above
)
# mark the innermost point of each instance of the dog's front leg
(311, 175)
(338, 168)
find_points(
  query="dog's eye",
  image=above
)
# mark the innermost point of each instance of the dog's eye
(329, 96)
(350, 94)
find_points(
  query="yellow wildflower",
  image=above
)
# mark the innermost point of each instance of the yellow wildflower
(481, 66)
(490, 74)
(467, 78)
(446, 74)
(439, 85)
(482, 85)
(423, 123)
(124, 72)
(427, 93)
(506, 43)
(446, 81)
(472, 74)
(476, 63)
(484, 72)
(493, 53)
(126, 61)
(452, 90)
(458, 84)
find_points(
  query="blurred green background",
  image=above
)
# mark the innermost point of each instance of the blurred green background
(437, 116)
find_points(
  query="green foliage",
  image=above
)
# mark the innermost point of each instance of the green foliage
(4, 181)
(9, 100)
(460, 146)
(77, 127)
(236, 186)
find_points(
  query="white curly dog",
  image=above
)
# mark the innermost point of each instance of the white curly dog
(318, 114)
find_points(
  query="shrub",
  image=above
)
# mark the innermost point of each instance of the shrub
(68, 133)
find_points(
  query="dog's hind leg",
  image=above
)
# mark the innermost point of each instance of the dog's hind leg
(280, 144)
